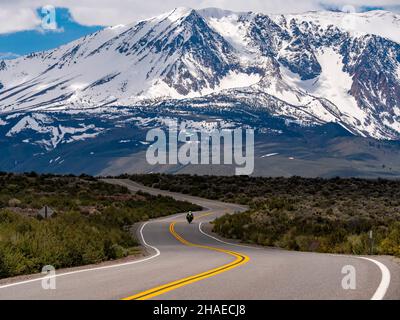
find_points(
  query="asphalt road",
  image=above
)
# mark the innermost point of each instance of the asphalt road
(188, 262)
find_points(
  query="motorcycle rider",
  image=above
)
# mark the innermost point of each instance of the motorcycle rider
(189, 217)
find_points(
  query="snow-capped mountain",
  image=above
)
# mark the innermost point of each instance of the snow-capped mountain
(313, 68)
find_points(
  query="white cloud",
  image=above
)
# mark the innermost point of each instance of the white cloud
(16, 15)
(17, 19)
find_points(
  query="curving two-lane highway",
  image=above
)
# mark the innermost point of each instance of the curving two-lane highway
(187, 262)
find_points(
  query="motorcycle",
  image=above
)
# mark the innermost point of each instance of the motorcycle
(189, 217)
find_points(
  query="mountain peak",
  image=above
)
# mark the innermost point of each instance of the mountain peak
(179, 13)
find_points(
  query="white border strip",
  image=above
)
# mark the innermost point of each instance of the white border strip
(158, 253)
(385, 282)
(380, 292)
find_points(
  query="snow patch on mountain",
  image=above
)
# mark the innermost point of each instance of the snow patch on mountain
(36, 123)
(333, 84)
(44, 125)
(169, 122)
(226, 24)
(81, 137)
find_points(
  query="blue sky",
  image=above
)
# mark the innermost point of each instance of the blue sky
(25, 42)
(82, 17)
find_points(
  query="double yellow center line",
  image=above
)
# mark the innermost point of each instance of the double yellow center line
(240, 259)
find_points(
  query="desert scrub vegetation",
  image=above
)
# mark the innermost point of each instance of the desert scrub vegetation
(319, 215)
(91, 223)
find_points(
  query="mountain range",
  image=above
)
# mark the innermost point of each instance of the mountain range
(305, 70)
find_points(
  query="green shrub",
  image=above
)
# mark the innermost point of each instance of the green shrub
(391, 244)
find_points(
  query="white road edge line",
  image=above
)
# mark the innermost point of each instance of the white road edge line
(158, 253)
(385, 282)
(380, 292)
